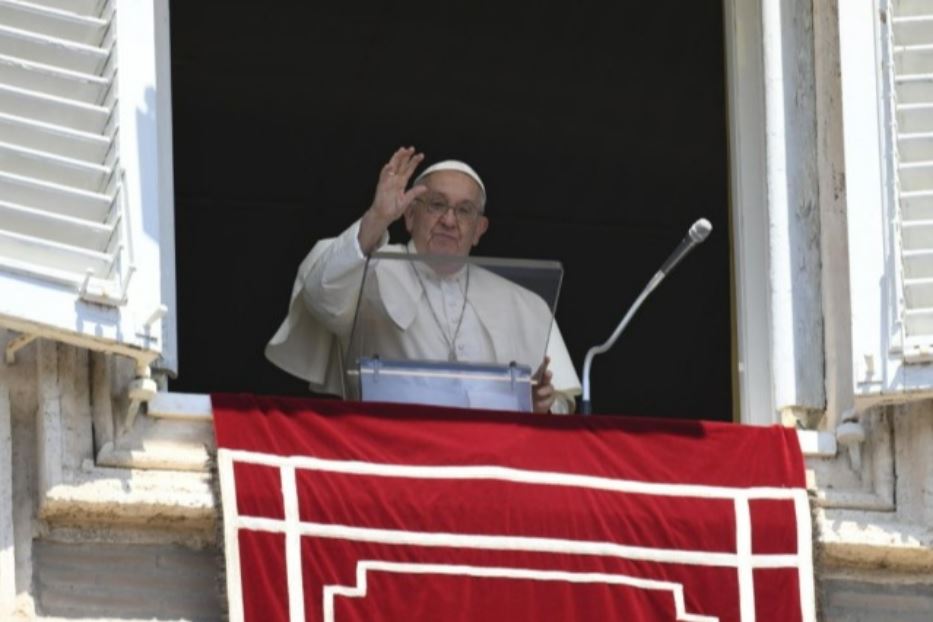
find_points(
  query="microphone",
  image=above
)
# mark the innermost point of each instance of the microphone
(698, 232)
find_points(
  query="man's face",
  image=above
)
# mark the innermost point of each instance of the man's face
(446, 220)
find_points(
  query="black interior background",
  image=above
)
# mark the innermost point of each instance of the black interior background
(599, 130)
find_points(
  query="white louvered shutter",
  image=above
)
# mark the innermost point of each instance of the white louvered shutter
(909, 36)
(86, 249)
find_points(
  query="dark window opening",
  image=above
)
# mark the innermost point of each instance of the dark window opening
(600, 134)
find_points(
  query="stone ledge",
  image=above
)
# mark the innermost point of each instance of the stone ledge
(168, 499)
(853, 539)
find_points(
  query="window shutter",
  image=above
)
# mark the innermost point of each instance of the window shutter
(85, 173)
(908, 34)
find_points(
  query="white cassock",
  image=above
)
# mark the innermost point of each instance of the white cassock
(412, 318)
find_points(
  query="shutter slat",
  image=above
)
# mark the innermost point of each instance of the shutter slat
(87, 234)
(54, 138)
(916, 208)
(89, 8)
(53, 168)
(53, 255)
(52, 50)
(52, 21)
(85, 174)
(914, 59)
(918, 293)
(51, 80)
(917, 224)
(58, 181)
(54, 197)
(909, 8)
(916, 234)
(916, 175)
(912, 81)
(55, 110)
(923, 253)
(916, 194)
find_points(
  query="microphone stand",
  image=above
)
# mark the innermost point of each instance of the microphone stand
(697, 234)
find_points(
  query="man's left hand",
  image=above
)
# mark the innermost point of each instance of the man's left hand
(543, 394)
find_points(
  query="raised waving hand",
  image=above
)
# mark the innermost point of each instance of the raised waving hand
(391, 199)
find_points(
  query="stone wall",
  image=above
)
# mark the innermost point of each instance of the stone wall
(80, 580)
(99, 519)
(102, 518)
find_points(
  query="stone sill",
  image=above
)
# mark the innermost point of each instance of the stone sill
(157, 498)
(854, 539)
(197, 407)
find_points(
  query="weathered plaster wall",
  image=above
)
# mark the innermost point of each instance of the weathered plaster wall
(884, 598)
(79, 580)
(94, 534)
(79, 538)
(875, 522)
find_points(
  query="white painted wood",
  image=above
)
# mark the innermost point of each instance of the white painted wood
(907, 37)
(7, 543)
(145, 118)
(749, 211)
(56, 22)
(51, 50)
(779, 279)
(834, 242)
(816, 444)
(86, 197)
(774, 215)
(793, 216)
(886, 344)
(862, 132)
(168, 359)
(181, 406)
(79, 7)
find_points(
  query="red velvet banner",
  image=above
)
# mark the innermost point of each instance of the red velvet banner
(340, 511)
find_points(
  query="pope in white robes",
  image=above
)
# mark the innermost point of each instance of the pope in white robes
(470, 314)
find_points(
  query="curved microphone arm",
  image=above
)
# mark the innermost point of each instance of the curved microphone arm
(697, 234)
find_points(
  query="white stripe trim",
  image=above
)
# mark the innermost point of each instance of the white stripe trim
(805, 555)
(231, 535)
(509, 474)
(744, 560)
(516, 543)
(292, 522)
(363, 567)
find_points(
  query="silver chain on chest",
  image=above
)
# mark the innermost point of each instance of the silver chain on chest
(451, 341)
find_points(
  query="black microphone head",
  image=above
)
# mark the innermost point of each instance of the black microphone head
(699, 230)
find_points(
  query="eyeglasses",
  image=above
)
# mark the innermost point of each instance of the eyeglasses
(437, 208)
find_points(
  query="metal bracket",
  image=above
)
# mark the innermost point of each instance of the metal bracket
(141, 390)
(851, 434)
(377, 366)
(15, 345)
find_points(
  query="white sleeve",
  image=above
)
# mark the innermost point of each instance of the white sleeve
(332, 278)
(564, 404)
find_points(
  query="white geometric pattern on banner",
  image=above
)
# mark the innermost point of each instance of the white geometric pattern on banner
(744, 561)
